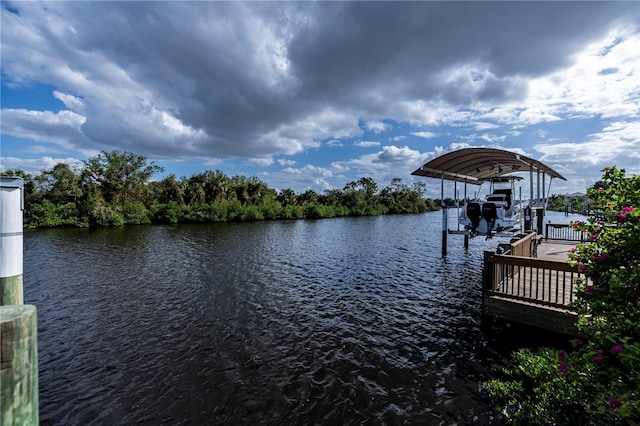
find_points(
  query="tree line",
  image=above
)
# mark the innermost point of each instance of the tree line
(561, 203)
(113, 189)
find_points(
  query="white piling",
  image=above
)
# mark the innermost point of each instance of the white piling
(19, 401)
(11, 222)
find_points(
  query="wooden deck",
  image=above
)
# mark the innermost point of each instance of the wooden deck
(555, 250)
(532, 290)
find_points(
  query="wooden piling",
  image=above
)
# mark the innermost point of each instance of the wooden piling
(18, 366)
(11, 292)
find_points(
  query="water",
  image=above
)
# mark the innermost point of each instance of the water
(340, 321)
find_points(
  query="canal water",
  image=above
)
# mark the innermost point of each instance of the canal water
(335, 321)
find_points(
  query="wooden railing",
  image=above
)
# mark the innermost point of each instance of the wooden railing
(556, 231)
(525, 246)
(542, 282)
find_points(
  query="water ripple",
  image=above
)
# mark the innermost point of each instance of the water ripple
(356, 321)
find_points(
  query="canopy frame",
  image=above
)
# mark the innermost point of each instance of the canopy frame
(476, 165)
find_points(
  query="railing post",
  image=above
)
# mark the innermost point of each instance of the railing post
(488, 274)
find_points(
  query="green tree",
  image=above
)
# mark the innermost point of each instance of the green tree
(309, 196)
(56, 200)
(370, 188)
(330, 197)
(217, 186)
(361, 197)
(48, 215)
(61, 184)
(251, 190)
(28, 182)
(287, 197)
(398, 198)
(194, 193)
(29, 185)
(170, 189)
(120, 176)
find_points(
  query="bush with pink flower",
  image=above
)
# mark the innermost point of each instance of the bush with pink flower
(598, 380)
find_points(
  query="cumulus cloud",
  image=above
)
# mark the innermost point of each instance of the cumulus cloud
(384, 165)
(602, 150)
(376, 126)
(261, 162)
(303, 178)
(483, 125)
(63, 127)
(216, 80)
(425, 135)
(285, 162)
(34, 166)
(238, 70)
(72, 103)
(366, 144)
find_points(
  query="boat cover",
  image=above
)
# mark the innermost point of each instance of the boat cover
(476, 165)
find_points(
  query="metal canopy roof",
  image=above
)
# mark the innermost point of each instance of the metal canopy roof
(475, 165)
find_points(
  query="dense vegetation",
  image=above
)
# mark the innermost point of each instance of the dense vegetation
(569, 204)
(114, 188)
(598, 380)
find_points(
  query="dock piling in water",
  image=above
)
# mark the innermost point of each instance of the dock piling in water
(11, 206)
(18, 322)
(19, 365)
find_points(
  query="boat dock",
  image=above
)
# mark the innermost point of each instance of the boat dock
(531, 281)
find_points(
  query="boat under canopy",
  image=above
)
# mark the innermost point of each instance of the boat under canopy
(500, 211)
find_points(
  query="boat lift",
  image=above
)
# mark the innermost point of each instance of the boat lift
(477, 165)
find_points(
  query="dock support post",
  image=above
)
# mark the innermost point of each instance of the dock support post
(445, 225)
(19, 365)
(11, 206)
(487, 271)
(18, 322)
(444, 229)
(540, 220)
(486, 321)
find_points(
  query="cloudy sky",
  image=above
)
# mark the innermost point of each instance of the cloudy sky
(308, 95)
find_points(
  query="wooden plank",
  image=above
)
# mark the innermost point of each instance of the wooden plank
(557, 320)
(555, 250)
